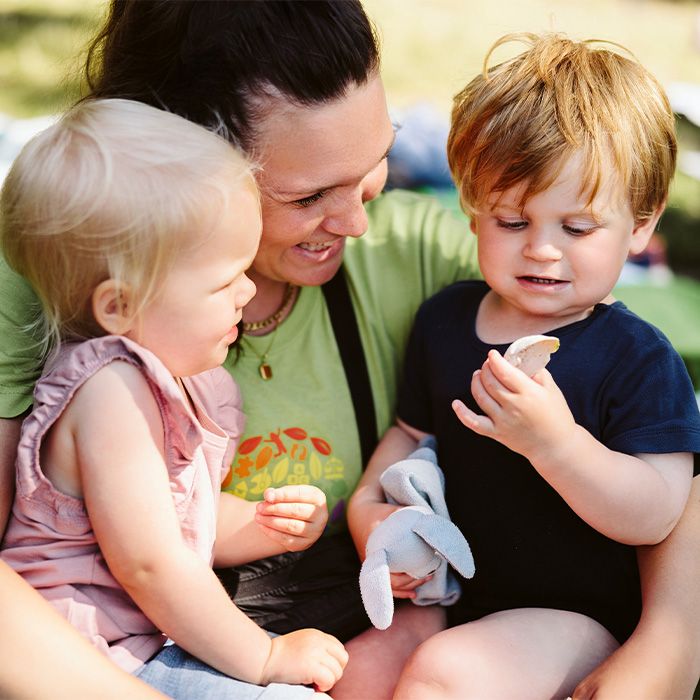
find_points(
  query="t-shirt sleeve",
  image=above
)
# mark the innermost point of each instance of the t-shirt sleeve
(449, 248)
(20, 353)
(650, 403)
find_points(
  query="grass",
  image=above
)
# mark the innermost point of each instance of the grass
(430, 49)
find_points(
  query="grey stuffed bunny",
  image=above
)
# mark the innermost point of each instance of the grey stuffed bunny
(418, 539)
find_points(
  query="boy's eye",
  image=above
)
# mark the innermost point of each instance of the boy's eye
(575, 230)
(512, 225)
(308, 201)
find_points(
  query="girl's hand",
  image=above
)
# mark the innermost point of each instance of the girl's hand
(294, 516)
(529, 415)
(306, 657)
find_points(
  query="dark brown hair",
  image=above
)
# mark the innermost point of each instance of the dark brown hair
(209, 60)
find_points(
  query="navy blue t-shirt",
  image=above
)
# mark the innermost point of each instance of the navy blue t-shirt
(623, 382)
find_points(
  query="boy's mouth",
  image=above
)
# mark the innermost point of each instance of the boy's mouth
(546, 281)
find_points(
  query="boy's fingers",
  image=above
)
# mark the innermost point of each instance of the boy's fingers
(479, 424)
(511, 377)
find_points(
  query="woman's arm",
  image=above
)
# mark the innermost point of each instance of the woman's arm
(33, 633)
(662, 658)
(43, 657)
(9, 437)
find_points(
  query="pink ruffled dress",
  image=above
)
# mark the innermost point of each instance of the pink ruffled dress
(49, 539)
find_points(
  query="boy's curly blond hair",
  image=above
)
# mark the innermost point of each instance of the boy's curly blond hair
(520, 120)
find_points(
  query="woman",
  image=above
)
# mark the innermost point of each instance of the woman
(297, 86)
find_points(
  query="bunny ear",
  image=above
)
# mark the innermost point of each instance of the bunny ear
(375, 588)
(448, 541)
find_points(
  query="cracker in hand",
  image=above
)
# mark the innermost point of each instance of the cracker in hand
(531, 352)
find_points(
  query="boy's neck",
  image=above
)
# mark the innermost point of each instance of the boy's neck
(499, 323)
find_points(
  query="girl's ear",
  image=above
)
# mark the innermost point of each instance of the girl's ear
(644, 230)
(111, 307)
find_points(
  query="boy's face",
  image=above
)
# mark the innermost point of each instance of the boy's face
(556, 256)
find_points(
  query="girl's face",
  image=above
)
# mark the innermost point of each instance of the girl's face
(320, 164)
(556, 256)
(191, 323)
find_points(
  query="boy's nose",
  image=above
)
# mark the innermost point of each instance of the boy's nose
(541, 247)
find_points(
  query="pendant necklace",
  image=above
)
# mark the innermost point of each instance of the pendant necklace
(264, 369)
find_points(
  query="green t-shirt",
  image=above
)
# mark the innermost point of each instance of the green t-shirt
(300, 424)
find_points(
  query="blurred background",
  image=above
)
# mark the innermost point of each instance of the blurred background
(431, 48)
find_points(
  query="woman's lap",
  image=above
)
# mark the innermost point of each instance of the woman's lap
(181, 676)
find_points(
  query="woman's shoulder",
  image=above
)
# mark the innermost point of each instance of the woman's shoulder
(404, 211)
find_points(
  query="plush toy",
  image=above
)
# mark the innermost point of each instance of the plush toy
(418, 539)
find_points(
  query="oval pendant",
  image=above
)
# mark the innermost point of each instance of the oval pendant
(265, 371)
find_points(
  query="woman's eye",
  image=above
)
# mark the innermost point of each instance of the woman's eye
(308, 201)
(512, 225)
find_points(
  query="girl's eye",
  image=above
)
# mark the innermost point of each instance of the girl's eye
(512, 225)
(308, 201)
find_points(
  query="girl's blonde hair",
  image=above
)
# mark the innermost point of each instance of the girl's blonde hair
(520, 120)
(115, 190)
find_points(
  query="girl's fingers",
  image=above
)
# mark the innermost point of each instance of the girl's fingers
(299, 493)
(295, 511)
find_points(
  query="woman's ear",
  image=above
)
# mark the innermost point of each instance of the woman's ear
(111, 307)
(643, 230)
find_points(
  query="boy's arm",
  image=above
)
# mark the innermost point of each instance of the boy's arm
(662, 657)
(127, 494)
(367, 506)
(632, 499)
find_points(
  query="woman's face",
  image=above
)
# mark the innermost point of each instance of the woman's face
(319, 165)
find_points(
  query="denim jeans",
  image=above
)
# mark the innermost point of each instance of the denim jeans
(180, 675)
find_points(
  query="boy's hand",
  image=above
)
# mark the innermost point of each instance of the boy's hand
(528, 415)
(307, 657)
(294, 516)
(404, 585)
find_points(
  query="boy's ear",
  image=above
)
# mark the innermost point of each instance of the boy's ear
(472, 224)
(111, 307)
(643, 230)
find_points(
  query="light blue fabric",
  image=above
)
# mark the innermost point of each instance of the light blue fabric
(183, 677)
(418, 539)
